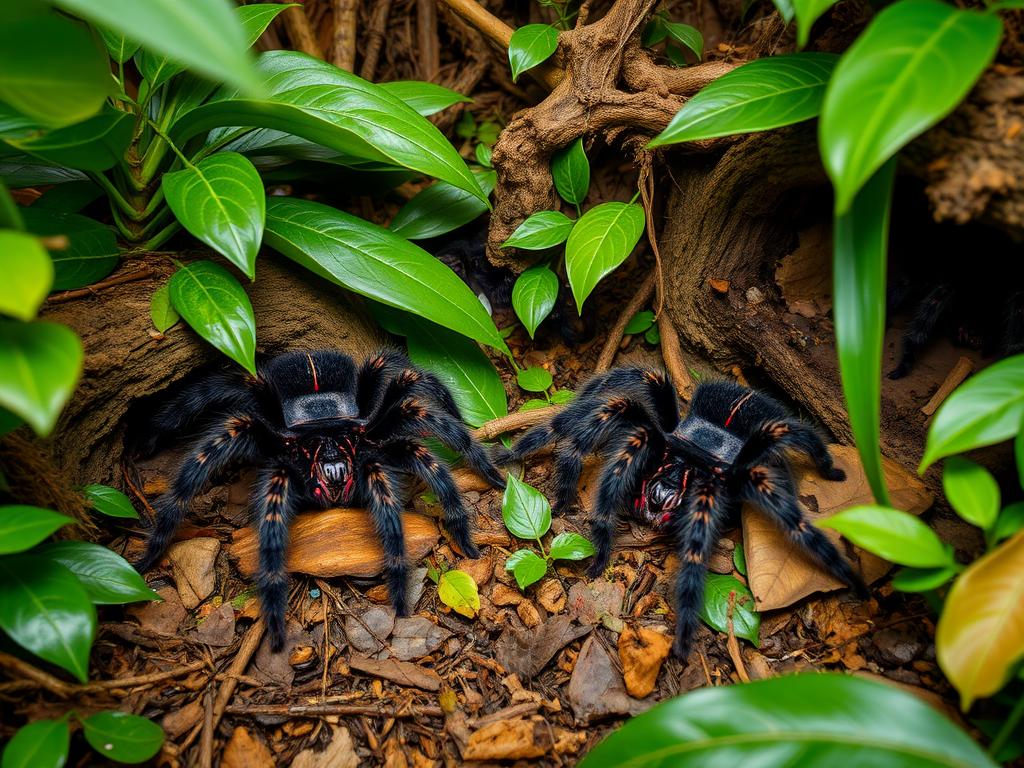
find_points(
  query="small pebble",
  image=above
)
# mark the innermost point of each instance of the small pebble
(314, 593)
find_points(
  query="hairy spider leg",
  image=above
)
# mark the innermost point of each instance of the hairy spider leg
(232, 440)
(273, 505)
(381, 487)
(381, 367)
(770, 489)
(920, 327)
(773, 437)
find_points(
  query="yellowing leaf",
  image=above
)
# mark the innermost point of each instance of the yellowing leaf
(981, 633)
(459, 592)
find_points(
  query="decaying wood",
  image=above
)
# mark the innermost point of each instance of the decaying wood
(514, 421)
(953, 379)
(343, 47)
(300, 33)
(375, 38)
(429, 46)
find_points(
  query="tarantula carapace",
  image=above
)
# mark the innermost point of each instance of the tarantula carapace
(322, 432)
(685, 476)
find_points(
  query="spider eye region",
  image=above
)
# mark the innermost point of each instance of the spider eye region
(330, 469)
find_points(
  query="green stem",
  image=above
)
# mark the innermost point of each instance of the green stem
(173, 147)
(113, 193)
(161, 237)
(541, 545)
(1008, 729)
(634, 197)
(209, 149)
(578, 212)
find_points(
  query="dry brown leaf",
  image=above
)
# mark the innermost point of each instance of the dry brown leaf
(246, 751)
(780, 573)
(642, 652)
(403, 673)
(509, 740)
(340, 753)
(527, 652)
(596, 688)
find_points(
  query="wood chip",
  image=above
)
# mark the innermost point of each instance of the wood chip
(953, 379)
(246, 751)
(194, 575)
(642, 652)
(401, 672)
(551, 596)
(340, 753)
(510, 740)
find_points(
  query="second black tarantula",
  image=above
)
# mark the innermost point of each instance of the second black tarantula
(685, 476)
(322, 433)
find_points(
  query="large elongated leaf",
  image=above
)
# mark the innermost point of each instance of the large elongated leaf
(27, 271)
(441, 208)
(810, 720)
(41, 744)
(107, 577)
(22, 527)
(858, 275)
(91, 253)
(95, 144)
(375, 262)
(807, 12)
(119, 47)
(327, 105)
(897, 536)
(220, 200)
(984, 410)
(204, 35)
(913, 64)
(214, 304)
(425, 98)
(39, 367)
(45, 610)
(599, 242)
(980, 635)
(757, 96)
(544, 229)
(570, 170)
(529, 46)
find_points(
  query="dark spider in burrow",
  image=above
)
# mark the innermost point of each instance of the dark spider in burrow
(322, 433)
(684, 476)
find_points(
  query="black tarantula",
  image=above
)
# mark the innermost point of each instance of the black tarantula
(322, 434)
(685, 476)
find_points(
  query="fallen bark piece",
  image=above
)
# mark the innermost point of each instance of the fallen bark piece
(953, 379)
(340, 753)
(551, 596)
(217, 629)
(246, 751)
(369, 633)
(401, 672)
(337, 542)
(510, 740)
(415, 637)
(642, 652)
(276, 668)
(598, 602)
(160, 619)
(596, 688)
(177, 721)
(192, 562)
(527, 652)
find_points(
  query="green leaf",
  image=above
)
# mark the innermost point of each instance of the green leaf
(28, 274)
(652, 335)
(206, 36)
(858, 276)
(807, 12)
(922, 579)
(527, 566)
(22, 527)
(570, 546)
(25, 171)
(913, 64)
(1018, 452)
(746, 622)
(220, 200)
(563, 396)
(757, 96)
(544, 229)
(51, 69)
(654, 32)
(524, 509)
(46, 611)
(122, 737)
(425, 98)
(10, 216)
(107, 577)
(214, 304)
(533, 404)
(95, 144)
(91, 253)
(483, 155)
(39, 367)
(972, 491)
(119, 47)
(40, 744)
(534, 379)
(810, 720)
(70, 197)
(534, 296)
(599, 242)
(785, 9)
(639, 323)
(984, 410)
(1011, 520)
(440, 208)
(257, 17)
(686, 36)
(458, 591)
(571, 171)
(739, 560)
(529, 46)
(109, 501)
(161, 311)
(377, 263)
(897, 536)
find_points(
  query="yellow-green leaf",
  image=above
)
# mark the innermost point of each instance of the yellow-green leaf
(459, 592)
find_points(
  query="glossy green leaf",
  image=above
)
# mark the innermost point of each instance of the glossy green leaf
(441, 208)
(652, 335)
(205, 36)
(535, 379)
(425, 98)
(533, 404)
(972, 491)
(686, 36)
(984, 410)
(120, 48)
(890, 533)
(534, 296)
(161, 311)
(524, 509)
(22, 527)
(1010, 521)
(51, 69)
(39, 367)
(220, 200)
(375, 262)
(527, 566)
(922, 579)
(40, 744)
(739, 560)
(654, 32)
(10, 212)
(458, 591)
(91, 253)
(757, 96)
(1018, 452)
(807, 12)
(570, 170)
(785, 9)
(256, 17)
(95, 144)
(810, 720)
(27, 271)
(210, 300)
(109, 501)
(483, 155)
(123, 737)
(26, 171)
(70, 197)
(107, 577)
(639, 323)
(913, 64)
(714, 612)
(530, 45)
(599, 242)
(570, 546)
(46, 611)
(544, 229)
(861, 240)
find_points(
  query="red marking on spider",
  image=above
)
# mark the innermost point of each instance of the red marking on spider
(736, 408)
(346, 494)
(312, 368)
(317, 492)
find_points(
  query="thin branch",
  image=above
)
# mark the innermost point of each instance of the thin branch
(343, 49)
(78, 293)
(672, 352)
(426, 33)
(300, 33)
(327, 710)
(375, 38)
(514, 421)
(611, 346)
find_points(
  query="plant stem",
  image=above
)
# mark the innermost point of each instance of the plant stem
(161, 237)
(174, 148)
(1009, 727)
(113, 193)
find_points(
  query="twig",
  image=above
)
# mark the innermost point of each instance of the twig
(673, 355)
(300, 33)
(326, 710)
(206, 743)
(78, 293)
(647, 196)
(733, 644)
(426, 32)
(375, 38)
(514, 421)
(611, 344)
(953, 379)
(343, 49)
